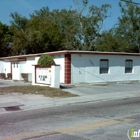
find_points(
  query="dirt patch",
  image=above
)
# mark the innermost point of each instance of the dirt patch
(39, 90)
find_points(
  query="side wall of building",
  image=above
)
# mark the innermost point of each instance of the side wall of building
(1, 66)
(27, 67)
(60, 60)
(6, 67)
(86, 68)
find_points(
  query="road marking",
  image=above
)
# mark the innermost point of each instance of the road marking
(94, 125)
(73, 129)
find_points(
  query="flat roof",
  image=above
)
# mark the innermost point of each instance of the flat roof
(71, 52)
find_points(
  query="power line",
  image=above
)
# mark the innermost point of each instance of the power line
(131, 2)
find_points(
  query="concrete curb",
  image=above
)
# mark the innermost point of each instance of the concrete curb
(124, 82)
(99, 84)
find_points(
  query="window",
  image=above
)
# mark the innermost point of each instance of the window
(128, 66)
(104, 66)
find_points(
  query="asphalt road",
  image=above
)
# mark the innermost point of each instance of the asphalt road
(108, 120)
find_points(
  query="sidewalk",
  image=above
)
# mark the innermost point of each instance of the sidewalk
(30, 101)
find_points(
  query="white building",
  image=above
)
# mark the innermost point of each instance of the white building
(79, 66)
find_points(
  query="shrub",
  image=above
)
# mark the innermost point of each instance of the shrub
(45, 60)
(9, 75)
(2, 76)
(24, 76)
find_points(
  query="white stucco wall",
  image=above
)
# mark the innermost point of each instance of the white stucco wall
(1, 66)
(27, 67)
(85, 68)
(23, 67)
(7, 67)
(60, 60)
(36, 60)
(29, 64)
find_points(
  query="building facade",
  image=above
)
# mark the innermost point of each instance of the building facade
(79, 66)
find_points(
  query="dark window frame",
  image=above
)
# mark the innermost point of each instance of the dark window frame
(129, 69)
(104, 70)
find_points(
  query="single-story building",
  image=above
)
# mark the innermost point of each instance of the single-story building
(79, 66)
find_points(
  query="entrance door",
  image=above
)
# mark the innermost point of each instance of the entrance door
(15, 71)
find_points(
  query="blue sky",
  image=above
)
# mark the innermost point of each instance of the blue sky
(25, 7)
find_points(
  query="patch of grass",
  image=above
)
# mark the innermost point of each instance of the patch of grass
(39, 90)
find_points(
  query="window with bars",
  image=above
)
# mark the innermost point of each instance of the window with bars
(128, 66)
(104, 66)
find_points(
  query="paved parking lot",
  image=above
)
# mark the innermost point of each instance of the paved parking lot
(86, 89)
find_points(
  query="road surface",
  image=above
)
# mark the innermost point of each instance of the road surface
(108, 120)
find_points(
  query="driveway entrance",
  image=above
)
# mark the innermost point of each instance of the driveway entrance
(86, 89)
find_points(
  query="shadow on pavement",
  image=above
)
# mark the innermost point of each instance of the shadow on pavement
(66, 87)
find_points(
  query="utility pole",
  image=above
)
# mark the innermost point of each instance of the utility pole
(131, 2)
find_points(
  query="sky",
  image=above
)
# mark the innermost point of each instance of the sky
(26, 7)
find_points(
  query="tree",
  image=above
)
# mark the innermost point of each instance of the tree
(129, 26)
(40, 13)
(110, 41)
(5, 40)
(125, 35)
(18, 21)
(67, 25)
(18, 26)
(41, 34)
(56, 30)
(90, 25)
